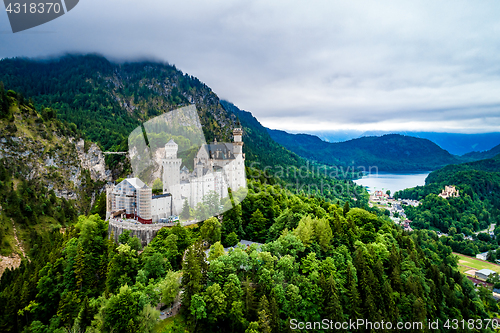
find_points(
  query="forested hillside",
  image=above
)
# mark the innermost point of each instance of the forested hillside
(476, 155)
(48, 173)
(321, 261)
(487, 165)
(391, 152)
(475, 209)
(107, 100)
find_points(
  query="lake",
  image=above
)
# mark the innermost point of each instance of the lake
(383, 181)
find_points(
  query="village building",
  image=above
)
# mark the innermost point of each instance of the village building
(484, 274)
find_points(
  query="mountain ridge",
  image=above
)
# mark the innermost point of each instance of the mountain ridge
(480, 155)
(258, 141)
(454, 143)
(390, 152)
(119, 95)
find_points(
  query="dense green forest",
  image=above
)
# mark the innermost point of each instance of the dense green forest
(487, 165)
(321, 261)
(390, 152)
(474, 210)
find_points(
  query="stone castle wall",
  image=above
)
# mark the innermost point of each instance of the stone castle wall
(145, 232)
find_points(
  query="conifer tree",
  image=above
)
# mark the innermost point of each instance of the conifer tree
(365, 283)
(331, 306)
(346, 208)
(353, 299)
(249, 298)
(185, 210)
(264, 318)
(274, 313)
(391, 310)
(192, 273)
(85, 315)
(80, 268)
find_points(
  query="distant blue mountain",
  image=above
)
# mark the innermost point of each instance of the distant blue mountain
(455, 143)
(474, 156)
(390, 152)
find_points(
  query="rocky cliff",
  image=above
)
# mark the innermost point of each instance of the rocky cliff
(40, 152)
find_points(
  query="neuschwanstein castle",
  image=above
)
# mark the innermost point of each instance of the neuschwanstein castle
(217, 167)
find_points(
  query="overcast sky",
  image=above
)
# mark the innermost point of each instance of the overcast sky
(305, 65)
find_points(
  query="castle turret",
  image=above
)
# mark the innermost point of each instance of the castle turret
(238, 142)
(199, 169)
(171, 149)
(237, 172)
(171, 169)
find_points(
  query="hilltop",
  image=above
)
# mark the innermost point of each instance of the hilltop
(475, 209)
(454, 143)
(486, 165)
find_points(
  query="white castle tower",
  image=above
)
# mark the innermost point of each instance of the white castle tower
(171, 172)
(238, 142)
(238, 177)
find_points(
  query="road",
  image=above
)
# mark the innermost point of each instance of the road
(487, 230)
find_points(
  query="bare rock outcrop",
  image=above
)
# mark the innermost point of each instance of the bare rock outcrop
(93, 160)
